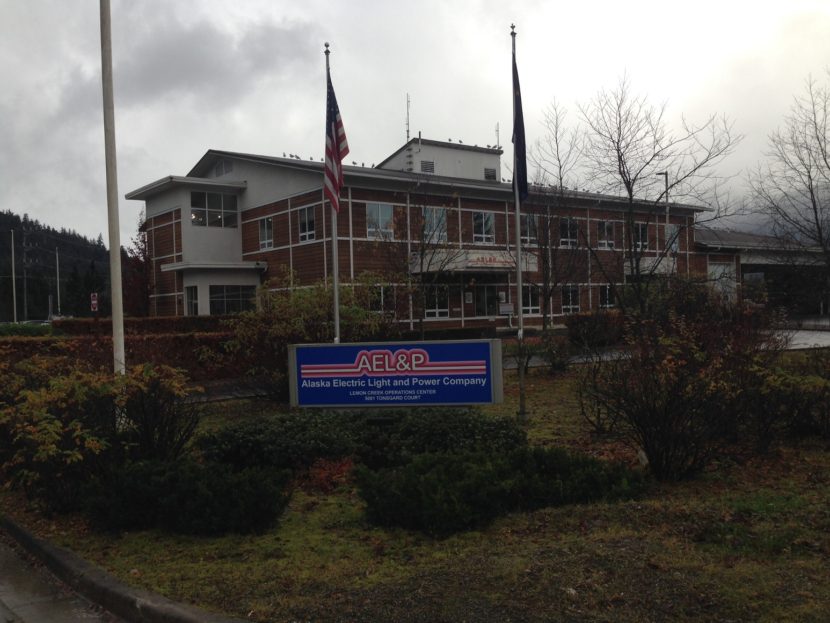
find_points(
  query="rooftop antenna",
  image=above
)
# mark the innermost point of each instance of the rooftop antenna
(497, 135)
(407, 117)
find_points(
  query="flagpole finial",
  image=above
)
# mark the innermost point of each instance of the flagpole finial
(327, 48)
(512, 30)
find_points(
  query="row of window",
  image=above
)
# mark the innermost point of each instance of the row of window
(380, 225)
(486, 299)
(223, 299)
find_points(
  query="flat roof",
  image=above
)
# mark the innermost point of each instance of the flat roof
(174, 181)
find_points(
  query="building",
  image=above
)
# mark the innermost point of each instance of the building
(434, 222)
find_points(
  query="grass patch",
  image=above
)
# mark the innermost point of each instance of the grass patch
(745, 542)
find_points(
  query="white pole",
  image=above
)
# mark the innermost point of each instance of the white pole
(14, 283)
(112, 191)
(335, 272)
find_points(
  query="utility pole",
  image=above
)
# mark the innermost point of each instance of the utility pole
(25, 280)
(112, 191)
(58, 278)
(14, 283)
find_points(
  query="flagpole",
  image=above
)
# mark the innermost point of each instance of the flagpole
(518, 226)
(335, 269)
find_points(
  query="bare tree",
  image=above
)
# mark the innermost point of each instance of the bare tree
(629, 143)
(557, 157)
(792, 188)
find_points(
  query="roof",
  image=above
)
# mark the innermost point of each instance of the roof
(173, 181)
(355, 175)
(496, 151)
(731, 239)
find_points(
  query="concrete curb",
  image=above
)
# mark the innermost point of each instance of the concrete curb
(134, 605)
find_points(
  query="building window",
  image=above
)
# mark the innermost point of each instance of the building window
(382, 299)
(530, 227)
(266, 233)
(223, 167)
(568, 232)
(673, 238)
(437, 302)
(191, 300)
(530, 300)
(570, 299)
(486, 301)
(489, 174)
(213, 209)
(231, 299)
(605, 235)
(435, 225)
(427, 166)
(484, 230)
(640, 236)
(379, 221)
(306, 218)
(606, 296)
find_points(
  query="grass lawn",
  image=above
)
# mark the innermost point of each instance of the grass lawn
(746, 541)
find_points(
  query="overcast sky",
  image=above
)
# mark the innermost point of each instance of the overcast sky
(249, 76)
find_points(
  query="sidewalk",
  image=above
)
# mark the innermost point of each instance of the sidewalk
(30, 594)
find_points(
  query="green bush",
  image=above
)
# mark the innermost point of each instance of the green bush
(595, 329)
(286, 441)
(440, 430)
(158, 417)
(188, 498)
(440, 494)
(25, 329)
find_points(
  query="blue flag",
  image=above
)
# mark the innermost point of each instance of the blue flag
(519, 147)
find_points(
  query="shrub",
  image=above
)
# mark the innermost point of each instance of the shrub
(286, 441)
(681, 388)
(397, 439)
(595, 329)
(158, 417)
(25, 329)
(440, 494)
(555, 350)
(60, 435)
(289, 315)
(188, 498)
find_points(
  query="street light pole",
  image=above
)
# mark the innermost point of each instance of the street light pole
(14, 283)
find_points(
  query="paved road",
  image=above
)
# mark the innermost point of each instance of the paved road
(30, 594)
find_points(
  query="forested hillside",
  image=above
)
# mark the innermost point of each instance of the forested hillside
(48, 261)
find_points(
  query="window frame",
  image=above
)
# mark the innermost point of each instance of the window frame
(483, 217)
(266, 238)
(606, 293)
(218, 210)
(571, 226)
(571, 307)
(436, 306)
(306, 226)
(232, 298)
(529, 293)
(604, 241)
(482, 290)
(432, 233)
(528, 236)
(637, 237)
(379, 232)
(191, 300)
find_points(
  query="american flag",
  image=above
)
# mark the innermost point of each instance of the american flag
(336, 148)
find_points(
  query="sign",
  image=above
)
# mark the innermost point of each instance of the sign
(93, 301)
(465, 260)
(394, 374)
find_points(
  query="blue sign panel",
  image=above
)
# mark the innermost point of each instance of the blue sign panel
(396, 374)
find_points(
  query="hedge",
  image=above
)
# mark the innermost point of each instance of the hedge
(177, 350)
(142, 326)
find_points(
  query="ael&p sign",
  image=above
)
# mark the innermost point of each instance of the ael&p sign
(396, 374)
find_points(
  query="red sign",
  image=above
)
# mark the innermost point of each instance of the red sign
(93, 301)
